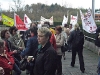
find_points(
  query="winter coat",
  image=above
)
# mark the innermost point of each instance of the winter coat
(31, 47)
(59, 42)
(16, 41)
(8, 47)
(53, 41)
(72, 39)
(97, 40)
(45, 61)
(4, 63)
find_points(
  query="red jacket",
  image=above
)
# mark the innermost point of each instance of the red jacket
(7, 49)
(4, 63)
(10, 53)
(53, 41)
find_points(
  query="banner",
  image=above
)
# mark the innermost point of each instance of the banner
(27, 21)
(19, 23)
(65, 20)
(7, 20)
(88, 22)
(42, 20)
(51, 20)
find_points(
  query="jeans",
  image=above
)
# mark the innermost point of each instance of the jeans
(98, 67)
(59, 65)
(80, 55)
(16, 69)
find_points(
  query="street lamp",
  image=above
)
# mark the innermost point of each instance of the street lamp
(0, 9)
(93, 8)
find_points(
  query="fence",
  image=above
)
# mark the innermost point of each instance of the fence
(90, 44)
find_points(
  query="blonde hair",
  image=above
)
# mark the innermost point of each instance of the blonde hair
(76, 26)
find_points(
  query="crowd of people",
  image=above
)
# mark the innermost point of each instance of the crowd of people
(41, 47)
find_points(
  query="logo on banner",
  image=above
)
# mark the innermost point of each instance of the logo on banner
(88, 22)
(27, 21)
(19, 23)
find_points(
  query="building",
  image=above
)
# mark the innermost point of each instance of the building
(97, 16)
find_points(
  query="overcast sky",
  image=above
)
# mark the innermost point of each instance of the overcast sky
(69, 3)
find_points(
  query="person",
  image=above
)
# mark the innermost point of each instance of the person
(59, 42)
(27, 34)
(77, 48)
(32, 43)
(97, 43)
(6, 60)
(15, 38)
(46, 57)
(52, 39)
(16, 41)
(70, 29)
(65, 32)
(66, 26)
(97, 38)
(2, 71)
(10, 50)
(8, 46)
(31, 47)
(98, 67)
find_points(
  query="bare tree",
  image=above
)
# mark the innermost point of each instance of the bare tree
(19, 5)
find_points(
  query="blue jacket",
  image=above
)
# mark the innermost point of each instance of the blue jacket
(31, 47)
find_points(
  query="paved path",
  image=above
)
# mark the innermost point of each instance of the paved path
(90, 60)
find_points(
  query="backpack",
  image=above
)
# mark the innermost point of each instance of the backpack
(78, 39)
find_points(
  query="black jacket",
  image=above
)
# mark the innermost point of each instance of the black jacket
(45, 62)
(73, 38)
(97, 40)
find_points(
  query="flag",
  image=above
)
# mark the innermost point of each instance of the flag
(65, 20)
(88, 22)
(73, 20)
(27, 21)
(51, 20)
(7, 20)
(19, 23)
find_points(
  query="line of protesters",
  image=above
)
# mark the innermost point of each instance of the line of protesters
(41, 47)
